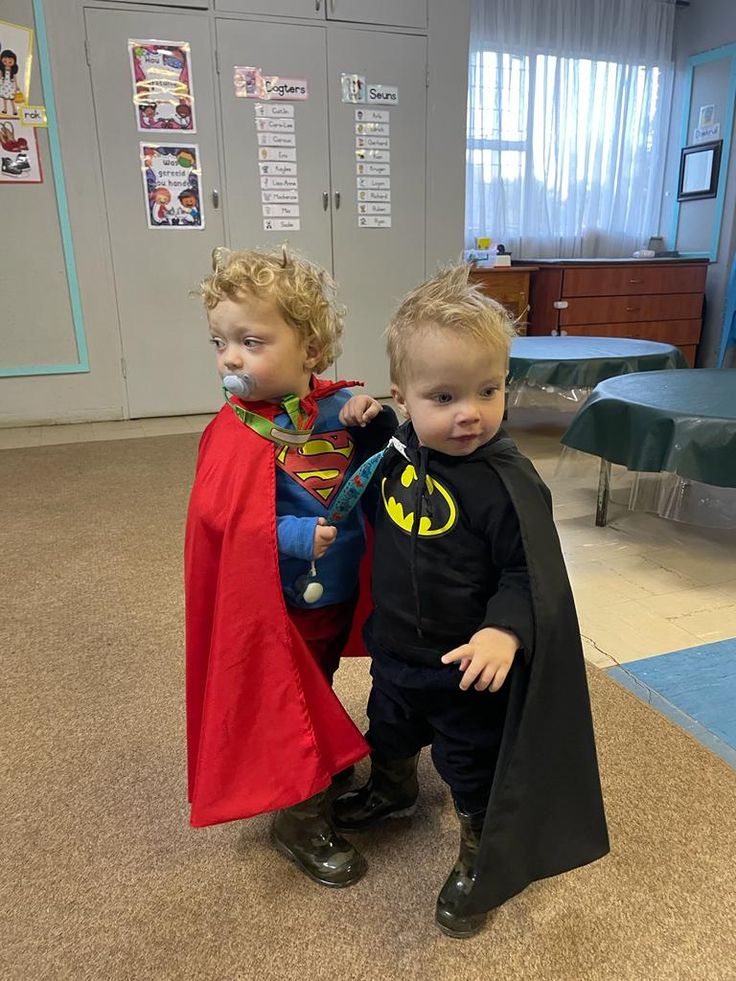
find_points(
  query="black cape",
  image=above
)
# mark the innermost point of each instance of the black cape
(545, 813)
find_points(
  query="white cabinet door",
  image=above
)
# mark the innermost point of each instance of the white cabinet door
(251, 196)
(392, 13)
(312, 9)
(375, 266)
(170, 368)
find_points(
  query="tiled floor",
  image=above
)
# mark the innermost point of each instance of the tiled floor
(644, 586)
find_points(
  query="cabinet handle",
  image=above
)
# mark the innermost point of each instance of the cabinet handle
(325, 200)
(337, 200)
(632, 309)
(635, 281)
(317, 5)
(215, 198)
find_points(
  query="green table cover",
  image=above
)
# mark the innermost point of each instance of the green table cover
(682, 422)
(582, 362)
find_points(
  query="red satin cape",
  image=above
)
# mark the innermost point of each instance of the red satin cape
(264, 728)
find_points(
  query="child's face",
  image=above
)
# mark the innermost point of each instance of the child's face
(453, 392)
(251, 337)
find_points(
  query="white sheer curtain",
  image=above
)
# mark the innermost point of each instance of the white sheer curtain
(568, 113)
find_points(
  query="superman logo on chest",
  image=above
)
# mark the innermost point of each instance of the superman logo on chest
(320, 464)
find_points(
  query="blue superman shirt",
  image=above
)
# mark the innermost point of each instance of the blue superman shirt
(308, 479)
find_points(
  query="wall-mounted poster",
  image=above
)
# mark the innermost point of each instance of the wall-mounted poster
(171, 180)
(16, 52)
(19, 160)
(162, 85)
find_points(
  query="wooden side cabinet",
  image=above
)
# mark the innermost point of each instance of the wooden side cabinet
(654, 300)
(510, 286)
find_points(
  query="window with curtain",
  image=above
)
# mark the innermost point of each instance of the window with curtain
(568, 113)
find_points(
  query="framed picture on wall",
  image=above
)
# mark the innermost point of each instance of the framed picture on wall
(700, 165)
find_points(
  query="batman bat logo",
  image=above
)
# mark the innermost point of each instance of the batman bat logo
(399, 499)
(320, 465)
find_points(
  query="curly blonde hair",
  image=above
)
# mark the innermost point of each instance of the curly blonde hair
(449, 301)
(304, 294)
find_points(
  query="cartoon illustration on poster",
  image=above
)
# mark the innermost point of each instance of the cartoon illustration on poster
(162, 85)
(16, 52)
(171, 179)
(19, 160)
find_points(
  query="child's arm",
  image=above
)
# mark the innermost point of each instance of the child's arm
(304, 538)
(359, 410)
(371, 440)
(373, 437)
(508, 625)
(510, 605)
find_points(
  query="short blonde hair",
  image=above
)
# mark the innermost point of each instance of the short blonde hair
(305, 294)
(450, 302)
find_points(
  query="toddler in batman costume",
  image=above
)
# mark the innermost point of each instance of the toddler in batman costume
(271, 586)
(468, 574)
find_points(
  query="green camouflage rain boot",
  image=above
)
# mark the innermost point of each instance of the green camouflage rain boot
(460, 882)
(391, 791)
(305, 834)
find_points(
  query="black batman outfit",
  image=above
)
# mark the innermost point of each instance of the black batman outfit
(464, 543)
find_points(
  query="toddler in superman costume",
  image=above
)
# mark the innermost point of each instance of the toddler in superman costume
(271, 584)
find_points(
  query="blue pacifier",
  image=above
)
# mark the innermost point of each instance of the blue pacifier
(240, 385)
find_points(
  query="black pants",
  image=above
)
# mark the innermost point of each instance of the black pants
(413, 705)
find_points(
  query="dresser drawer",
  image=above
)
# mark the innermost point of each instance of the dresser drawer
(510, 287)
(677, 332)
(631, 280)
(627, 309)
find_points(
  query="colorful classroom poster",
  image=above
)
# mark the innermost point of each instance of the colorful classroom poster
(162, 85)
(171, 180)
(19, 160)
(16, 53)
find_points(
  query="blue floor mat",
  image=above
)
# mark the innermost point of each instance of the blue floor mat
(695, 687)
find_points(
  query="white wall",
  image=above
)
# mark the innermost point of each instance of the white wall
(703, 26)
(97, 394)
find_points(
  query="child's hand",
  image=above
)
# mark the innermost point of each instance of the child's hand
(486, 659)
(359, 411)
(324, 536)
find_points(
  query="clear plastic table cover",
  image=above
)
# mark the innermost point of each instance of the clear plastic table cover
(583, 362)
(680, 422)
(678, 499)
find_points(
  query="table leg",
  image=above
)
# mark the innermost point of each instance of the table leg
(604, 490)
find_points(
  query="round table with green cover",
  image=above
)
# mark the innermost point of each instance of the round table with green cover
(681, 422)
(582, 362)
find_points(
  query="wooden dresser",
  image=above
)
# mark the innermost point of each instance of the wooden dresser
(653, 299)
(510, 286)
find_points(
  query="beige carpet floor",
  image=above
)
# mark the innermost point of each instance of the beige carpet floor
(101, 877)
